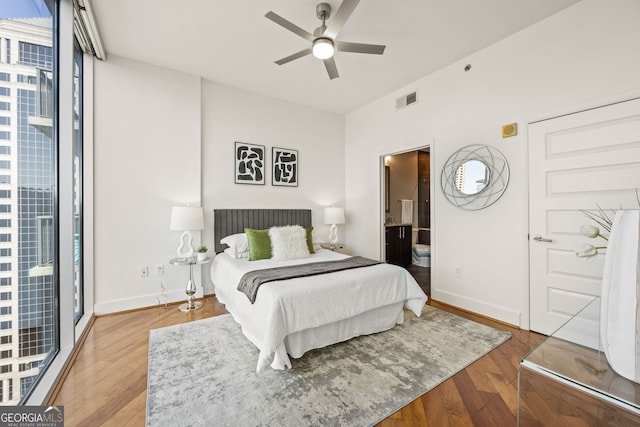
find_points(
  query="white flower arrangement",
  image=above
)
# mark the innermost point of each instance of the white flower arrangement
(603, 220)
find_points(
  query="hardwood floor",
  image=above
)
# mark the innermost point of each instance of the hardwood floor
(422, 276)
(107, 383)
(483, 394)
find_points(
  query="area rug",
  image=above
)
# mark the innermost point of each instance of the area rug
(203, 373)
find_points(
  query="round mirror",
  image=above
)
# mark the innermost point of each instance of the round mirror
(472, 177)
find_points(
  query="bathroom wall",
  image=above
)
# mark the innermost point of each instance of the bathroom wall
(410, 179)
(424, 198)
(403, 184)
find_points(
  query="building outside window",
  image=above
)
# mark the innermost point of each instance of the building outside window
(42, 295)
(28, 301)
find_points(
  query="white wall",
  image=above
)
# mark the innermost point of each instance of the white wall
(581, 57)
(164, 138)
(230, 115)
(147, 159)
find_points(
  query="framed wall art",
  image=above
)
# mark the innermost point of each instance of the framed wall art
(249, 160)
(285, 167)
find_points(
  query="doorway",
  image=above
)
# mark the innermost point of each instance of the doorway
(407, 212)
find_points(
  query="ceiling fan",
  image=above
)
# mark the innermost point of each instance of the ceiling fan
(323, 40)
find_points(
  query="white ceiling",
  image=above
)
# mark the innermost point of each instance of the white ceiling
(232, 43)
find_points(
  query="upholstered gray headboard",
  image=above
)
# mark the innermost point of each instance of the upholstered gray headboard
(232, 221)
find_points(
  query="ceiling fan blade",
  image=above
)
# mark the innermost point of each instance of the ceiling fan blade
(289, 26)
(340, 18)
(303, 52)
(375, 49)
(332, 69)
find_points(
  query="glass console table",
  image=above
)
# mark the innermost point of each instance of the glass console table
(566, 380)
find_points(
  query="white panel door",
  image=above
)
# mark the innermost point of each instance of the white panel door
(576, 162)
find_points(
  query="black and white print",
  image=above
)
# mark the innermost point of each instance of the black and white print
(250, 160)
(285, 167)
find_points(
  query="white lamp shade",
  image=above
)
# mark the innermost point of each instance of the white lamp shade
(334, 215)
(186, 218)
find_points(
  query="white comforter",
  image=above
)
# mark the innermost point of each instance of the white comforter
(287, 306)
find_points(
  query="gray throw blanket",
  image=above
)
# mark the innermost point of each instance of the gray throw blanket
(251, 281)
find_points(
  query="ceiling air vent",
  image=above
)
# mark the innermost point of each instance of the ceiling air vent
(406, 100)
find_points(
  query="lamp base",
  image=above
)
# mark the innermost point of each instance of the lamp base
(185, 250)
(333, 234)
(191, 303)
(191, 306)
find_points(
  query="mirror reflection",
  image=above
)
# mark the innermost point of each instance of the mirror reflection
(472, 177)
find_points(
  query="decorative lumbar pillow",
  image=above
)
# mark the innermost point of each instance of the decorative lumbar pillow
(238, 244)
(310, 245)
(259, 244)
(288, 242)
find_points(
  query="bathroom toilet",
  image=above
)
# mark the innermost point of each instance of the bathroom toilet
(421, 255)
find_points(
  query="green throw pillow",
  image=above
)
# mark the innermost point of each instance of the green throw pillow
(310, 239)
(259, 244)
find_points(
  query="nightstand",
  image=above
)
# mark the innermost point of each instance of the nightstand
(190, 290)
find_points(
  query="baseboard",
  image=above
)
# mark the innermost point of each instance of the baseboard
(143, 301)
(437, 304)
(479, 308)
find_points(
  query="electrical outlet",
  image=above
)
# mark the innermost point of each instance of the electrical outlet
(144, 271)
(458, 270)
(159, 270)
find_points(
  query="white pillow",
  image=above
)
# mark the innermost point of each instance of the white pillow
(237, 243)
(236, 255)
(316, 241)
(288, 242)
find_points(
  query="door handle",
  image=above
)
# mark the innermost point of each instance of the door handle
(539, 238)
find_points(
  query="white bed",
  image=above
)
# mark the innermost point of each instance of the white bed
(290, 317)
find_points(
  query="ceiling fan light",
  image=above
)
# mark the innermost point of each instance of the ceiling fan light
(323, 48)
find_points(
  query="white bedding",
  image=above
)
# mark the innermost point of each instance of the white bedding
(286, 307)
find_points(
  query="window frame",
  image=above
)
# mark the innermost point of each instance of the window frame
(78, 198)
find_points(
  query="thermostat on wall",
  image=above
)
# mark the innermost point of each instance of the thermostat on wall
(509, 130)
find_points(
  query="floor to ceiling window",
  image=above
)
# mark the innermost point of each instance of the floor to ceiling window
(28, 197)
(42, 286)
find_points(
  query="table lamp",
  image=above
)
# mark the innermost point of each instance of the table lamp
(333, 216)
(186, 219)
